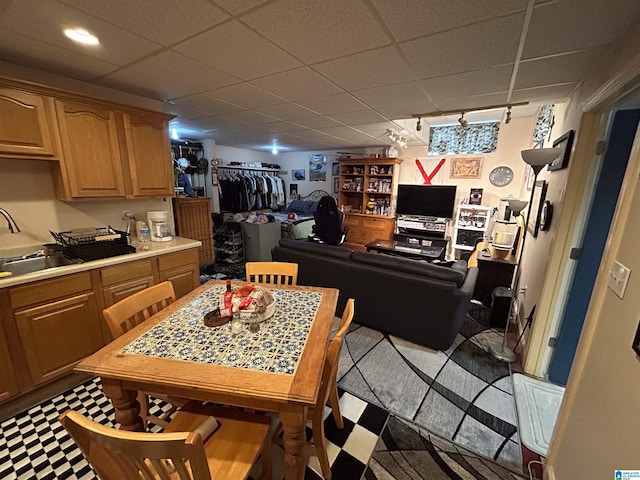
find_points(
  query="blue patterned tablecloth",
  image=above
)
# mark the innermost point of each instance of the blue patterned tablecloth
(275, 348)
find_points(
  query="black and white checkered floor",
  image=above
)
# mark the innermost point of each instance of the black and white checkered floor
(33, 444)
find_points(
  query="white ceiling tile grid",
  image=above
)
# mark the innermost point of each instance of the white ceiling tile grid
(318, 74)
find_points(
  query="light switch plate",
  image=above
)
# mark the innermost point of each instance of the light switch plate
(618, 278)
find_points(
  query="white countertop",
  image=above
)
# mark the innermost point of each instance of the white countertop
(155, 249)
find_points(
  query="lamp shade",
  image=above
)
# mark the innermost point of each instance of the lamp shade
(516, 205)
(540, 156)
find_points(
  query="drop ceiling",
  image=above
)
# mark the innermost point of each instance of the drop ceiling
(319, 74)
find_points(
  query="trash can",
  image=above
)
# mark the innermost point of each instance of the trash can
(500, 303)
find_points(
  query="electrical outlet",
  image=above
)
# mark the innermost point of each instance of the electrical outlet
(126, 214)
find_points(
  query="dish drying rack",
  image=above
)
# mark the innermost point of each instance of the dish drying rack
(94, 243)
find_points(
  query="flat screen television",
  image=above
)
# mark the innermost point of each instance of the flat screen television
(426, 200)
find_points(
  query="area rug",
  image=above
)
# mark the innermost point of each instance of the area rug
(34, 445)
(406, 452)
(462, 394)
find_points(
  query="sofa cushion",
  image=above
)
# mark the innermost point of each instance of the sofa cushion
(317, 248)
(455, 274)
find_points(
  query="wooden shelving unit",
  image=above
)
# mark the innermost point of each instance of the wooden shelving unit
(368, 188)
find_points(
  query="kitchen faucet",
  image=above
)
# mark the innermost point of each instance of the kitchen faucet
(13, 226)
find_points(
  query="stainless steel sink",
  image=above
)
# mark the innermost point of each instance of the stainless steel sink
(21, 266)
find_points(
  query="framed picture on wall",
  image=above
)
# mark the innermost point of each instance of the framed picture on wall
(537, 200)
(564, 143)
(335, 169)
(297, 175)
(336, 184)
(318, 167)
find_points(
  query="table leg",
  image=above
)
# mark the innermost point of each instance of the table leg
(126, 404)
(293, 425)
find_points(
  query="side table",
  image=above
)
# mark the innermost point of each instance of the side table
(492, 272)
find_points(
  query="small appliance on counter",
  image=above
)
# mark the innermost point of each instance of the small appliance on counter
(159, 226)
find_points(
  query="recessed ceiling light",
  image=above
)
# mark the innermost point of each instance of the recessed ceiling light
(80, 35)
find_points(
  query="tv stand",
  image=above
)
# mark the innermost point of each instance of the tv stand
(430, 226)
(422, 232)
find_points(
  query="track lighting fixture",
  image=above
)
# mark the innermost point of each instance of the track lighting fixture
(439, 113)
(396, 138)
(418, 125)
(463, 121)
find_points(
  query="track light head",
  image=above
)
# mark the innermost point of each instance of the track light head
(418, 125)
(463, 121)
(507, 116)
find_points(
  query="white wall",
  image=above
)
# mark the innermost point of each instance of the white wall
(27, 193)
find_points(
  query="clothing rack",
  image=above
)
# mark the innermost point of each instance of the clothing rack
(255, 169)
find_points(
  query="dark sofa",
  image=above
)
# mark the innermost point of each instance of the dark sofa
(421, 302)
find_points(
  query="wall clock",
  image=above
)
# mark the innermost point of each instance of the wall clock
(546, 215)
(501, 176)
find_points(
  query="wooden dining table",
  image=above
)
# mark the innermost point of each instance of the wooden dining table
(277, 369)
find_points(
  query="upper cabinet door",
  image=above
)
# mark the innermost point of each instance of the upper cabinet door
(92, 166)
(149, 156)
(25, 125)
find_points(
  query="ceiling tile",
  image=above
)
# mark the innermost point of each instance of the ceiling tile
(280, 127)
(396, 101)
(480, 82)
(330, 104)
(250, 117)
(550, 94)
(568, 25)
(319, 121)
(571, 67)
(195, 76)
(358, 118)
(210, 123)
(378, 129)
(468, 103)
(163, 21)
(239, 6)
(382, 66)
(246, 96)
(37, 54)
(159, 88)
(287, 111)
(314, 31)
(45, 21)
(182, 113)
(205, 104)
(475, 47)
(236, 49)
(297, 84)
(347, 133)
(416, 18)
(307, 133)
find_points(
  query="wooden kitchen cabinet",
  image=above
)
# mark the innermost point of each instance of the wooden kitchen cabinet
(60, 327)
(181, 269)
(91, 165)
(47, 326)
(26, 125)
(148, 153)
(120, 281)
(8, 385)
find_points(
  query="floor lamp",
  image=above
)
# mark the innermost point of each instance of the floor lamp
(537, 158)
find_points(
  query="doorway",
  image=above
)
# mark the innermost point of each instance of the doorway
(603, 204)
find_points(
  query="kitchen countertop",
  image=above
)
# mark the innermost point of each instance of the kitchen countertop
(155, 249)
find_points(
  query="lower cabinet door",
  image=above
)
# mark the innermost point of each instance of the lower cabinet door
(8, 385)
(115, 293)
(57, 335)
(184, 279)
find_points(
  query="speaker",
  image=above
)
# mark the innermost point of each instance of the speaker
(468, 237)
(500, 303)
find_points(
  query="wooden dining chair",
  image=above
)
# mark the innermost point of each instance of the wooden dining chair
(272, 273)
(328, 393)
(186, 450)
(130, 312)
(135, 309)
